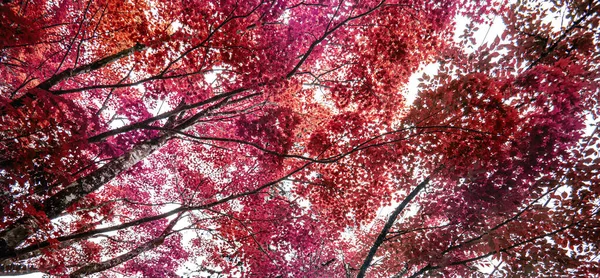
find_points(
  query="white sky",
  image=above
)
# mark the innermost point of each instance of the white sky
(487, 33)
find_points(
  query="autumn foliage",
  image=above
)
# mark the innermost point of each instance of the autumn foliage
(274, 139)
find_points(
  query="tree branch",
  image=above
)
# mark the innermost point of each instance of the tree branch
(97, 267)
(388, 225)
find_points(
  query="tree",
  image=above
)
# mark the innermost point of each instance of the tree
(260, 138)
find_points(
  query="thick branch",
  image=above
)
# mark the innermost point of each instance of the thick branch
(46, 85)
(97, 267)
(20, 252)
(561, 38)
(17, 269)
(149, 121)
(388, 225)
(53, 206)
(65, 74)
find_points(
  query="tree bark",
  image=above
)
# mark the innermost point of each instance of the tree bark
(15, 234)
(46, 85)
(17, 269)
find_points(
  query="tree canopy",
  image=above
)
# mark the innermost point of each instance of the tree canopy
(273, 138)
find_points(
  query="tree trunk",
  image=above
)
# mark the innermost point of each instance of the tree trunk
(15, 234)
